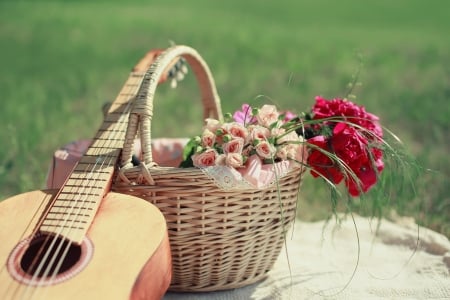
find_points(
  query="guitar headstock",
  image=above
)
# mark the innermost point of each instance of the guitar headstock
(175, 71)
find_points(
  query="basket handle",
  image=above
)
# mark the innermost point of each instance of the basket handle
(171, 71)
(142, 112)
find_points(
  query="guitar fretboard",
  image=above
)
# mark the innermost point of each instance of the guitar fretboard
(77, 202)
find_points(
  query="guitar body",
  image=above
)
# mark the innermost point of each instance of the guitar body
(129, 253)
(83, 241)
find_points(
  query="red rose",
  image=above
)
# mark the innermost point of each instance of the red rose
(352, 148)
(349, 145)
(337, 107)
(350, 112)
(367, 177)
(320, 162)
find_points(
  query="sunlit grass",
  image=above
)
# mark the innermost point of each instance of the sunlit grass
(60, 61)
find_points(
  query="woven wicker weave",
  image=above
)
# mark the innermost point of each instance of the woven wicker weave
(219, 239)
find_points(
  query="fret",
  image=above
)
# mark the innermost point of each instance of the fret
(137, 74)
(85, 180)
(101, 150)
(80, 195)
(113, 131)
(65, 221)
(48, 227)
(63, 215)
(98, 169)
(63, 209)
(87, 185)
(108, 136)
(82, 198)
(127, 94)
(96, 159)
(105, 151)
(94, 165)
(118, 109)
(100, 138)
(96, 150)
(122, 101)
(106, 127)
(119, 112)
(77, 202)
(74, 207)
(114, 118)
(110, 121)
(80, 179)
(132, 84)
(76, 195)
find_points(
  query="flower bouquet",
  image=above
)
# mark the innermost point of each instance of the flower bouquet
(230, 202)
(337, 140)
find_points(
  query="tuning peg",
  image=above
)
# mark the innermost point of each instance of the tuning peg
(173, 83)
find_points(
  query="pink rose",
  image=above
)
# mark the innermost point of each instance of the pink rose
(301, 153)
(265, 149)
(267, 115)
(234, 160)
(212, 124)
(204, 159)
(293, 150)
(208, 138)
(259, 132)
(237, 130)
(221, 160)
(289, 151)
(247, 150)
(282, 153)
(288, 137)
(234, 146)
(277, 131)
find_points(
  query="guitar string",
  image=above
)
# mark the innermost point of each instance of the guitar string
(49, 249)
(80, 191)
(122, 123)
(87, 188)
(88, 177)
(22, 237)
(49, 262)
(112, 160)
(103, 161)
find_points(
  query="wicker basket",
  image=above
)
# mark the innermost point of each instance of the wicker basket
(219, 239)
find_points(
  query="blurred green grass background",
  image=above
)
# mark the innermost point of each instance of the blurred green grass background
(61, 60)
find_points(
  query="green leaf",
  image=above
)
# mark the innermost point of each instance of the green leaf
(190, 148)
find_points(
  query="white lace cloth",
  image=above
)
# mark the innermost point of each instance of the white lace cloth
(392, 265)
(255, 175)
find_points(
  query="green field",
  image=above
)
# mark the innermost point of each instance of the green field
(61, 60)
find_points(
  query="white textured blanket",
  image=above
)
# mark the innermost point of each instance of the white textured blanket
(401, 261)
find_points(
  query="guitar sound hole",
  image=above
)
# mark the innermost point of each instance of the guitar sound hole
(48, 260)
(47, 254)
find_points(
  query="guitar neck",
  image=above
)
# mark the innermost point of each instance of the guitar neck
(73, 209)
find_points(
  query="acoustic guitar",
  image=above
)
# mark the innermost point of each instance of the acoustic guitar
(83, 241)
